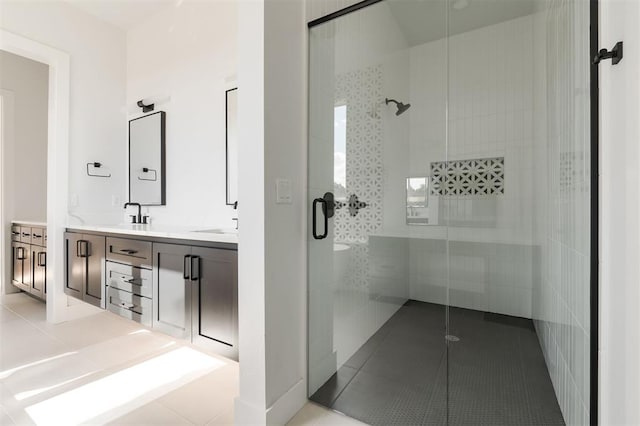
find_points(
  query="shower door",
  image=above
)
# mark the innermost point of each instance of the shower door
(449, 212)
(372, 346)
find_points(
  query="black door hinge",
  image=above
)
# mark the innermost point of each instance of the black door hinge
(614, 54)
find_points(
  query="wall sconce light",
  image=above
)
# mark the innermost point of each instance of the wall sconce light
(145, 108)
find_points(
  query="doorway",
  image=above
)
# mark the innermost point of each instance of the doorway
(450, 240)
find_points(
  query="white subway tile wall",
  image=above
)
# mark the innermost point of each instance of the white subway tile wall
(561, 200)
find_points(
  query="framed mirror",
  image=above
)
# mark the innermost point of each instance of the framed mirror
(147, 159)
(231, 103)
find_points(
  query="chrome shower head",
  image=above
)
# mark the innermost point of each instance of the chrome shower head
(401, 107)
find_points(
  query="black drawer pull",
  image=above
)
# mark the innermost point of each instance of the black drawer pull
(15, 233)
(37, 236)
(130, 252)
(132, 281)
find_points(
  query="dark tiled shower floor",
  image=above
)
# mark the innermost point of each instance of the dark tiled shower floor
(496, 372)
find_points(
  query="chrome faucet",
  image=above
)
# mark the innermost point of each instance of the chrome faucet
(138, 218)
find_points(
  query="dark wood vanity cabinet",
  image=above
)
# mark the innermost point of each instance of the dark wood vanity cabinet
(215, 299)
(21, 266)
(187, 291)
(84, 269)
(196, 295)
(29, 259)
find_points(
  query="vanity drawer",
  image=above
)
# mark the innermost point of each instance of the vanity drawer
(16, 234)
(130, 278)
(37, 237)
(130, 306)
(131, 252)
(25, 235)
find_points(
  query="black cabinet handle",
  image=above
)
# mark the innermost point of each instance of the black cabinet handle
(42, 255)
(132, 281)
(314, 209)
(130, 252)
(185, 266)
(20, 253)
(195, 270)
(82, 248)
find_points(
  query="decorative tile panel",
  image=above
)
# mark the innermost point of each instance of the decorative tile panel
(483, 176)
(359, 90)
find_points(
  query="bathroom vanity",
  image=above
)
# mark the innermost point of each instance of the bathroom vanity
(180, 282)
(29, 257)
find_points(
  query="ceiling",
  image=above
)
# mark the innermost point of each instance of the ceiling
(122, 13)
(422, 21)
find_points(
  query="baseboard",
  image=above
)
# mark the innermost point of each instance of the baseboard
(247, 414)
(278, 414)
(288, 404)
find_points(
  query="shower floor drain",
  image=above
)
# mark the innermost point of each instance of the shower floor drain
(452, 338)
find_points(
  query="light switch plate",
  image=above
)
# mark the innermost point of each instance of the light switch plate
(283, 191)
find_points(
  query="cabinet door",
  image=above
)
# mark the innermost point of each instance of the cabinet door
(215, 285)
(172, 289)
(75, 267)
(19, 255)
(39, 262)
(93, 248)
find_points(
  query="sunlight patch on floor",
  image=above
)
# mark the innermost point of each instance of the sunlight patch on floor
(28, 394)
(7, 373)
(118, 393)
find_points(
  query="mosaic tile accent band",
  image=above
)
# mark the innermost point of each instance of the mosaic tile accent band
(482, 176)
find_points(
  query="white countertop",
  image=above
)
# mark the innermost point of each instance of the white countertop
(29, 223)
(163, 231)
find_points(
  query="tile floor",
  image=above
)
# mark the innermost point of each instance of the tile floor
(408, 374)
(104, 369)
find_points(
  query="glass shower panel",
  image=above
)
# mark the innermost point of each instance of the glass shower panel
(377, 274)
(517, 202)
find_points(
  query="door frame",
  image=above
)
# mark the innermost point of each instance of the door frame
(594, 273)
(57, 164)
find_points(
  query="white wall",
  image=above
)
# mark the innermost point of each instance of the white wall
(97, 118)
(187, 54)
(29, 82)
(484, 78)
(272, 271)
(563, 155)
(620, 210)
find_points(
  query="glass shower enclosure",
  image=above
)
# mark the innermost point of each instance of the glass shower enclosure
(449, 191)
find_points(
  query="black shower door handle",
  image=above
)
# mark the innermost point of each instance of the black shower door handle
(314, 208)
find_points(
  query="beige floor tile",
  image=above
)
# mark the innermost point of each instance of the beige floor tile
(7, 315)
(5, 420)
(40, 362)
(206, 398)
(21, 343)
(151, 414)
(225, 419)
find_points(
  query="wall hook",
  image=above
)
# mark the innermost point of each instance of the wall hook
(614, 54)
(96, 165)
(145, 108)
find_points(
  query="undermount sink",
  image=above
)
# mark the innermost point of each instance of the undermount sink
(218, 231)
